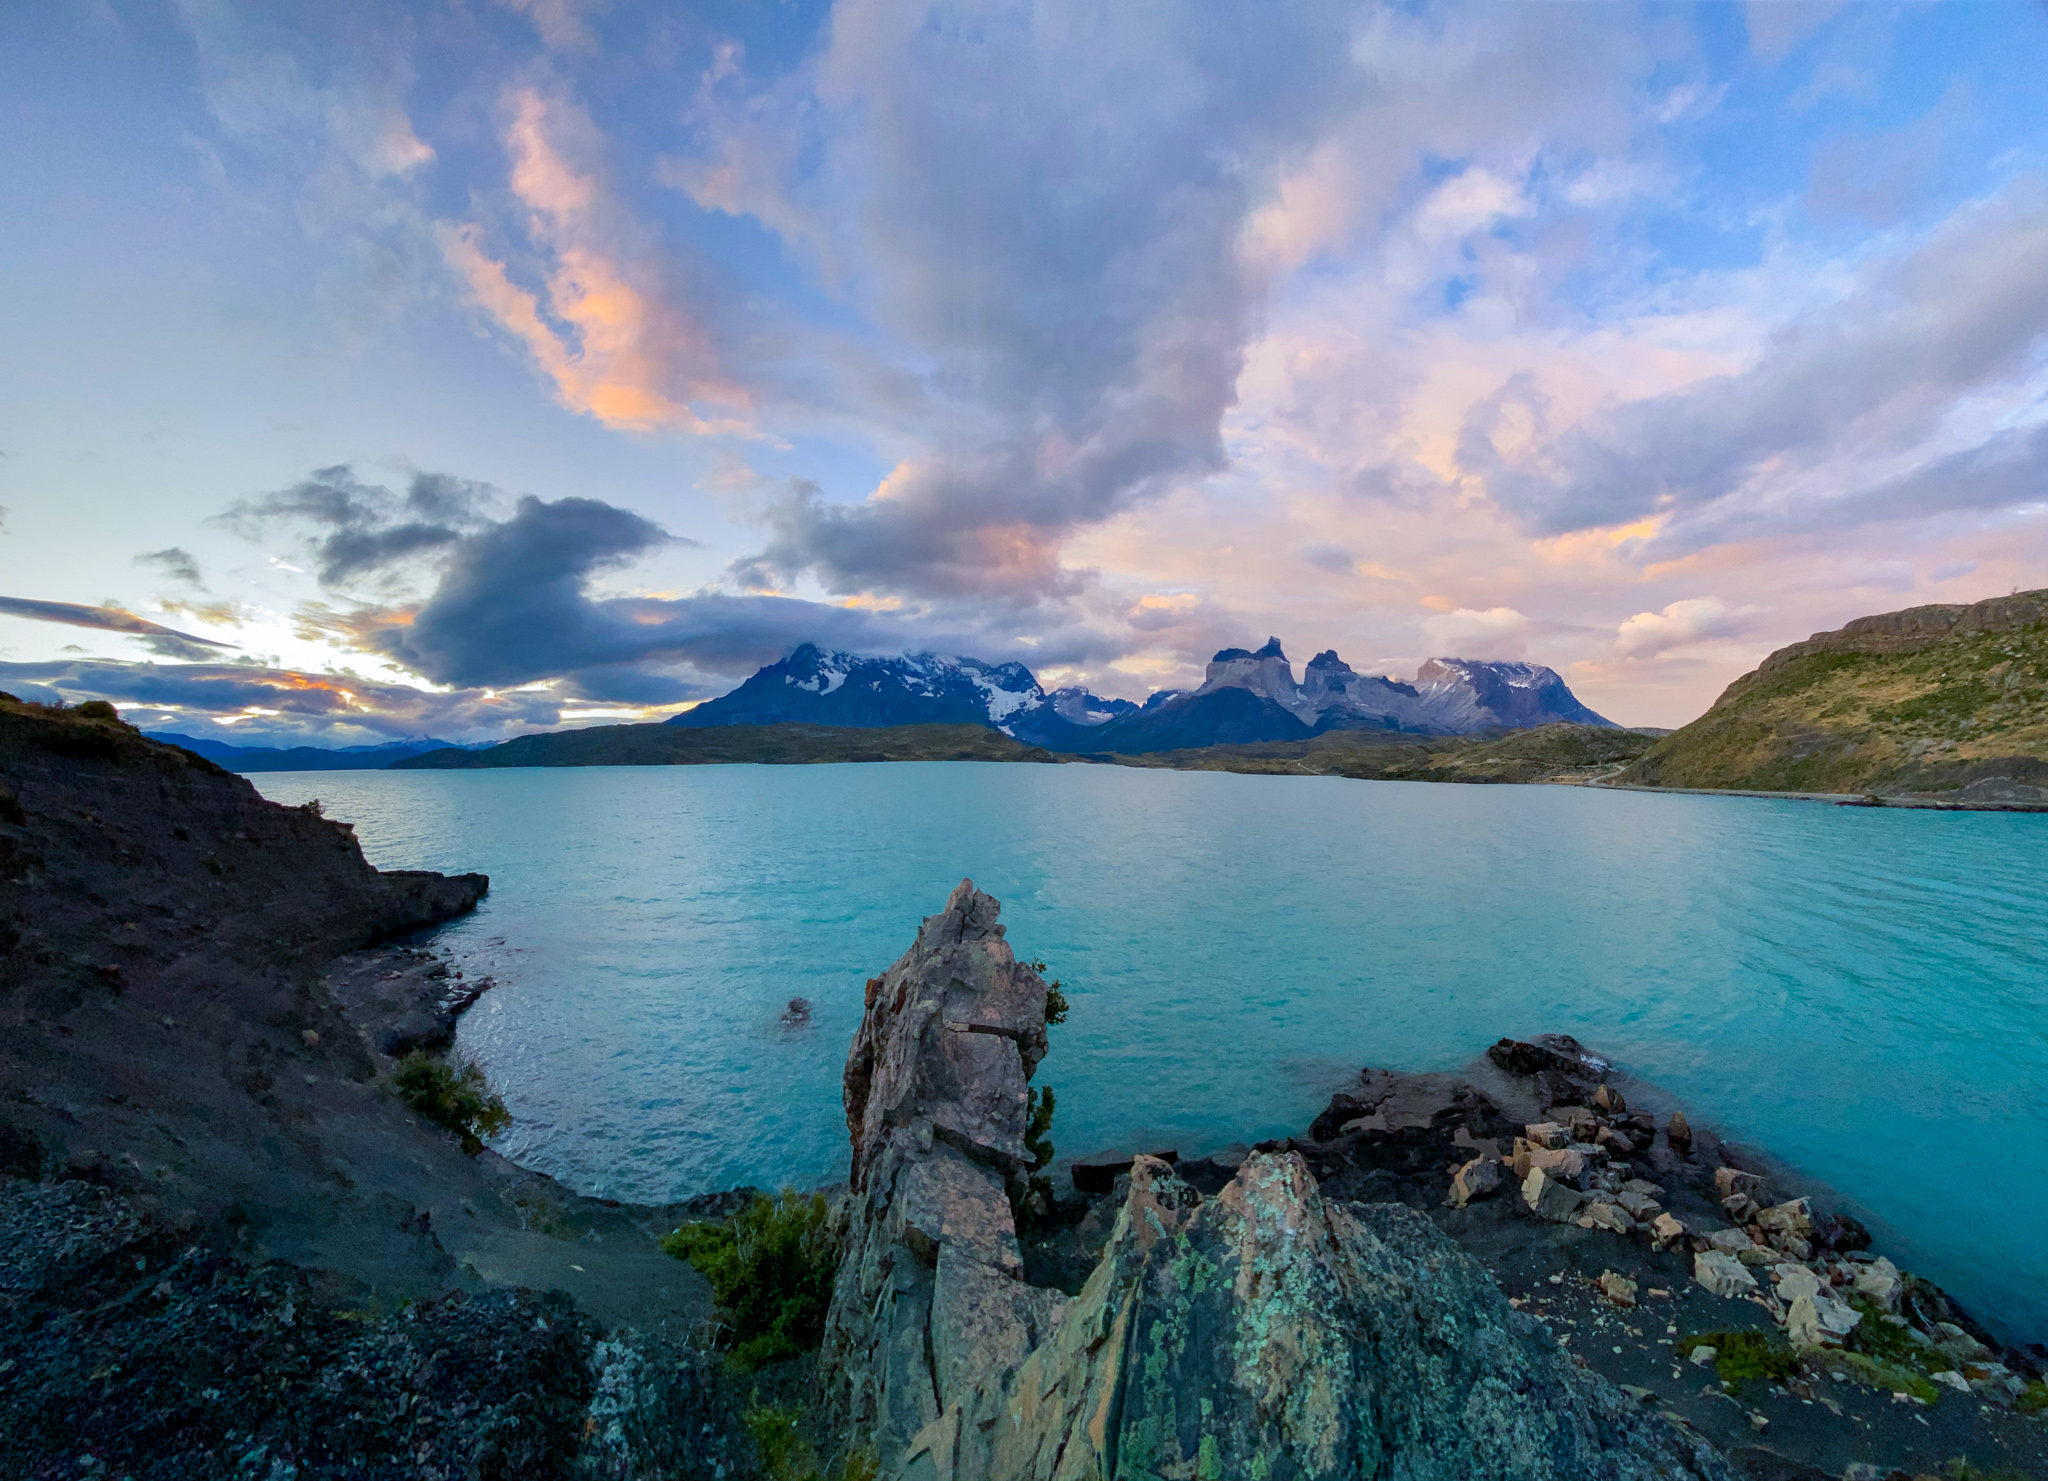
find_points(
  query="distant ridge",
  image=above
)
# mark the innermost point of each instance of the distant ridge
(1937, 703)
(1247, 696)
(300, 758)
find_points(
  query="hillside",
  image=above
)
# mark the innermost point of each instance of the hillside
(772, 745)
(1560, 751)
(1938, 703)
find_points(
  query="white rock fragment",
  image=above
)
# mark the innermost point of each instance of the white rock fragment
(1722, 1274)
(1550, 1200)
(1880, 1282)
(1617, 1288)
(1479, 1178)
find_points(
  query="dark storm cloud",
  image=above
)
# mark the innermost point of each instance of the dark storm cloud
(1875, 375)
(178, 564)
(167, 640)
(355, 529)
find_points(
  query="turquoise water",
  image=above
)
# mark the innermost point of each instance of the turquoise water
(1861, 992)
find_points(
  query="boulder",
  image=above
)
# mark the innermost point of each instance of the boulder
(1518, 1058)
(1617, 1288)
(1729, 1181)
(930, 1296)
(1640, 1208)
(1608, 1101)
(1477, 1179)
(1793, 1218)
(1550, 1200)
(1722, 1274)
(1667, 1230)
(1880, 1282)
(1794, 1281)
(1567, 1164)
(1600, 1214)
(1820, 1320)
(1678, 1132)
(1730, 1241)
(1268, 1331)
(1617, 1143)
(1550, 1135)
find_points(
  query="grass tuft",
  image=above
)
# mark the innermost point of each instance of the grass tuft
(1745, 1357)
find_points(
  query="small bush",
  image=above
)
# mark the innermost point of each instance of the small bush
(770, 1271)
(97, 709)
(458, 1098)
(1746, 1357)
(776, 1430)
(1055, 996)
(2033, 1399)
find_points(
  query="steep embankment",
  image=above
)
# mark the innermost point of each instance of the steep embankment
(770, 745)
(225, 1247)
(1934, 703)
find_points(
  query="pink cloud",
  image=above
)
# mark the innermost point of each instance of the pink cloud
(602, 327)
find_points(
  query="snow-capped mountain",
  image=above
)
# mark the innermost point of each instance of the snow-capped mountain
(816, 687)
(1251, 696)
(1246, 696)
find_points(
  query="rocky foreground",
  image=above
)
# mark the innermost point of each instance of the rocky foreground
(227, 1248)
(1515, 1278)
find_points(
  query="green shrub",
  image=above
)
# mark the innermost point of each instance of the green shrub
(776, 1430)
(97, 709)
(457, 1098)
(1746, 1357)
(770, 1271)
(2033, 1399)
(1055, 996)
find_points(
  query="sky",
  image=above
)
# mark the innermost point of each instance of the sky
(469, 367)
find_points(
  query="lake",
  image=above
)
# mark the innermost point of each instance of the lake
(1861, 992)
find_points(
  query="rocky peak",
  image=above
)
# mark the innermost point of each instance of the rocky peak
(1266, 673)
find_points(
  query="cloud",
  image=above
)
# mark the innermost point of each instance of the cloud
(1069, 278)
(178, 564)
(1330, 558)
(1868, 378)
(1776, 27)
(163, 640)
(606, 330)
(1648, 634)
(562, 25)
(360, 528)
(1498, 632)
(513, 600)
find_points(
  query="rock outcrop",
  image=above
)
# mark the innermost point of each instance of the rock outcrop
(1268, 1331)
(1271, 1332)
(930, 1297)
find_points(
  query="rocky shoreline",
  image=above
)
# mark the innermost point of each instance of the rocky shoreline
(228, 1249)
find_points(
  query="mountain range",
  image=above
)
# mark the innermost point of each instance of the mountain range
(1246, 697)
